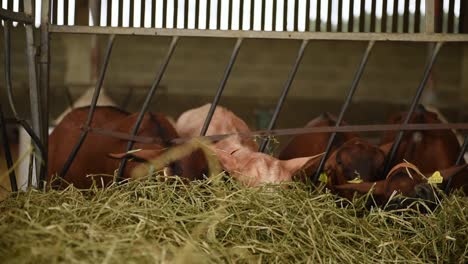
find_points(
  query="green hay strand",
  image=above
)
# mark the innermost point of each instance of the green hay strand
(217, 221)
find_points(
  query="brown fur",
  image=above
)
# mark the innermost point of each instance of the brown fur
(314, 143)
(93, 155)
(429, 150)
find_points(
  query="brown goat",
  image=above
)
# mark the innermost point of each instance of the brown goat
(93, 157)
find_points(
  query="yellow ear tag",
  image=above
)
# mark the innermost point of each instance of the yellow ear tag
(355, 180)
(323, 178)
(435, 178)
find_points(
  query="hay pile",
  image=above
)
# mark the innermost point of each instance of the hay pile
(214, 221)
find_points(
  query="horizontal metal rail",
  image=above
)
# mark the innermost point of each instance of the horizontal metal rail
(16, 16)
(419, 37)
(287, 131)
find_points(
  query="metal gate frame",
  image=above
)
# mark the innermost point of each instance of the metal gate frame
(39, 103)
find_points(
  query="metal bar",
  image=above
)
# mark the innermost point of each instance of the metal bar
(414, 103)
(318, 21)
(329, 16)
(373, 16)
(350, 36)
(459, 161)
(307, 16)
(347, 102)
(16, 16)
(289, 131)
(417, 17)
(451, 16)
(91, 110)
(395, 16)
(34, 91)
(220, 90)
(438, 15)
(406, 17)
(44, 66)
(430, 15)
(285, 132)
(30, 170)
(339, 27)
(147, 102)
(6, 150)
(284, 93)
(351, 16)
(362, 16)
(384, 16)
(463, 150)
(7, 65)
(463, 24)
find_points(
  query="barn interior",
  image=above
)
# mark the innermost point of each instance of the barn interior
(389, 82)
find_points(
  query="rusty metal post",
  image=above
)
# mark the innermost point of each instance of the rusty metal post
(220, 90)
(349, 97)
(92, 108)
(147, 102)
(34, 92)
(287, 85)
(414, 103)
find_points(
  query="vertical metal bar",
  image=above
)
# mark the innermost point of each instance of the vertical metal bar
(296, 16)
(362, 16)
(7, 65)
(220, 90)
(7, 69)
(451, 16)
(147, 102)
(384, 16)
(417, 17)
(329, 16)
(430, 16)
(91, 110)
(463, 150)
(6, 150)
(373, 16)
(319, 18)
(262, 15)
(34, 92)
(44, 62)
(395, 16)
(351, 16)
(340, 16)
(463, 24)
(284, 93)
(307, 16)
(414, 103)
(438, 15)
(349, 97)
(459, 161)
(406, 17)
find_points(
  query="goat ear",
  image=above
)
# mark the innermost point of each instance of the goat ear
(294, 165)
(139, 155)
(228, 161)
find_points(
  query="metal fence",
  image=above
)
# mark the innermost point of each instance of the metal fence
(185, 19)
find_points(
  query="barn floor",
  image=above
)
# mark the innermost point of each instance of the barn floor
(214, 221)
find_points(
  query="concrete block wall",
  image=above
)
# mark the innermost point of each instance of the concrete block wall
(326, 72)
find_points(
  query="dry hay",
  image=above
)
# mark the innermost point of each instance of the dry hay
(215, 221)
